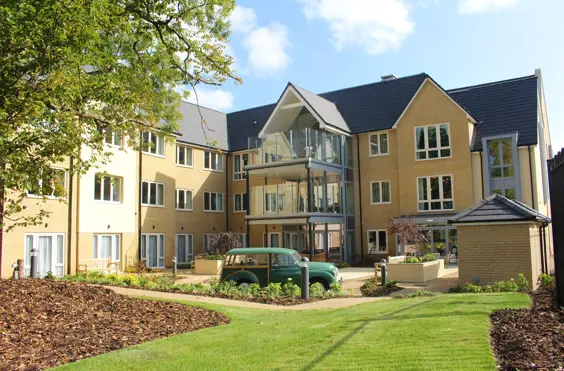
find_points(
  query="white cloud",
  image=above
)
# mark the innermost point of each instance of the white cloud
(214, 99)
(267, 48)
(376, 26)
(243, 19)
(483, 6)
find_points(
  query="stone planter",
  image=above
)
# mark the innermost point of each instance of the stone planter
(211, 267)
(416, 272)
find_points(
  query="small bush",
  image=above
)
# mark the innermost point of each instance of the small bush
(429, 258)
(214, 257)
(546, 280)
(316, 290)
(290, 289)
(391, 284)
(255, 290)
(92, 275)
(184, 266)
(412, 260)
(522, 282)
(131, 269)
(273, 290)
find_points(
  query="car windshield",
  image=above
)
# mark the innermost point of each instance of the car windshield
(297, 256)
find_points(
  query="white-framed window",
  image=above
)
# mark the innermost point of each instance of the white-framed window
(153, 249)
(111, 137)
(213, 161)
(152, 193)
(184, 248)
(242, 240)
(154, 144)
(501, 170)
(432, 142)
(107, 188)
(240, 202)
(274, 239)
(184, 199)
(106, 246)
(435, 193)
(378, 144)
(183, 156)
(377, 241)
(213, 201)
(239, 162)
(381, 192)
(50, 253)
(51, 184)
(273, 202)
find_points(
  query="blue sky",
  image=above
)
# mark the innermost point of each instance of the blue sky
(324, 45)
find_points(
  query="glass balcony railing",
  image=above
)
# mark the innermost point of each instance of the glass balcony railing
(291, 198)
(296, 144)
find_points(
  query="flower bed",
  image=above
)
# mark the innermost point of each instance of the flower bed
(275, 293)
(374, 288)
(47, 323)
(416, 271)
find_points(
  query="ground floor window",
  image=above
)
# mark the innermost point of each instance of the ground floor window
(50, 253)
(242, 240)
(377, 242)
(273, 239)
(184, 248)
(440, 239)
(153, 249)
(106, 246)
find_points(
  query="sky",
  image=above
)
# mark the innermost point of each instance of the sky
(325, 45)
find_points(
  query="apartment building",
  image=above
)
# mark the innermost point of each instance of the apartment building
(320, 173)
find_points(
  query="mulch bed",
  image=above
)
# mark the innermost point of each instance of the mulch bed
(46, 323)
(530, 339)
(380, 291)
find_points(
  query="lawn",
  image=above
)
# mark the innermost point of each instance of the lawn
(448, 332)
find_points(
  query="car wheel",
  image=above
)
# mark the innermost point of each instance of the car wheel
(244, 285)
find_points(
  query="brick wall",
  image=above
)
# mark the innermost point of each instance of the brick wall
(498, 252)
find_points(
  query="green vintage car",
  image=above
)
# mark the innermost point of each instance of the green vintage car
(265, 265)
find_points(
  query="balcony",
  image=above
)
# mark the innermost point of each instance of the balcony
(298, 146)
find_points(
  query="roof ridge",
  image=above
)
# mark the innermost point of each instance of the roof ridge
(375, 82)
(457, 90)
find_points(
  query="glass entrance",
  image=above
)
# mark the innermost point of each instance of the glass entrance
(49, 253)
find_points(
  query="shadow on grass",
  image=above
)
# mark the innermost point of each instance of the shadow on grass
(360, 327)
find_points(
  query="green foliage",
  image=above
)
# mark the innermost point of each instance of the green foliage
(391, 284)
(316, 290)
(418, 294)
(545, 280)
(70, 67)
(519, 285)
(49, 276)
(429, 258)
(274, 290)
(215, 257)
(412, 260)
(290, 289)
(374, 288)
(255, 290)
(184, 266)
(522, 282)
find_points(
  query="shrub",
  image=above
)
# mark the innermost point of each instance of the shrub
(546, 280)
(316, 290)
(390, 284)
(273, 290)
(291, 290)
(92, 275)
(522, 282)
(255, 290)
(429, 258)
(418, 294)
(184, 266)
(412, 260)
(214, 284)
(336, 287)
(214, 257)
(341, 265)
(131, 269)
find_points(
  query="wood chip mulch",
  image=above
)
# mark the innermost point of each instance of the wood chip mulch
(530, 339)
(45, 323)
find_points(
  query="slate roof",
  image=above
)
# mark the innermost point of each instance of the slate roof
(502, 107)
(496, 208)
(190, 126)
(325, 109)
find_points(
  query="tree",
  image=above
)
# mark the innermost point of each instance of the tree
(73, 70)
(222, 242)
(407, 230)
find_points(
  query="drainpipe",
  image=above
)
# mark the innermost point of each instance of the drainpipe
(140, 185)
(481, 167)
(248, 208)
(227, 192)
(544, 248)
(360, 199)
(543, 270)
(531, 177)
(2, 216)
(69, 218)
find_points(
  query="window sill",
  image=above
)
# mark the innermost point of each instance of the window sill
(239, 211)
(435, 211)
(380, 203)
(239, 180)
(153, 154)
(214, 211)
(113, 145)
(184, 210)
(186, 166)
(213, 171)
(433, 159)
(147, 205)
(102, 202)
(379, 155)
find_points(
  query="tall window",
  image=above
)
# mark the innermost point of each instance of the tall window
(153, 249)
(184, 156)
(50, 253)
(242, 240)
(106, 246)
(184, 199)
(213, 201)
(502, 167)
(377, 242)
(184, 248)
(240, 202)
(111, 137)
(153, 144)
(432, 142)
(51, 183)
(435, 193)
(107, 188)
(273, 202)
(239, 162)
(273, 239)
(381, 193)
(378, 144)
(213, 161)
(152, 193)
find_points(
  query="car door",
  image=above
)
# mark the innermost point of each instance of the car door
(284, 267)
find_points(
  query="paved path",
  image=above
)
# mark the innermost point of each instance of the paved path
(323, 304)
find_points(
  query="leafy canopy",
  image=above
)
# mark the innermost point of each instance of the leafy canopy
(72, 70)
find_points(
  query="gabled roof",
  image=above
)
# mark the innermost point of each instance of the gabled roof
(502, 107)
(190, 126)
(324, 108)
(496, 208)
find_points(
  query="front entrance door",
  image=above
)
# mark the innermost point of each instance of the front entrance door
(50, 253)
(152, 250)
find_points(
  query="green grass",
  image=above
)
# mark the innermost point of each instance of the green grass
(446, 332)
